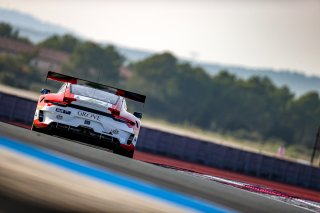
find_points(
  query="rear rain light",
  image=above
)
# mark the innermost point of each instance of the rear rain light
(130, 139)
(40, 116)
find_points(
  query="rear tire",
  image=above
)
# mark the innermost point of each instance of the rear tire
(35, 129)
(130, 154)
(121, 151)
(45, 130)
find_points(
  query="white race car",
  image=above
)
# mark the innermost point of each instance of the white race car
(93, 113)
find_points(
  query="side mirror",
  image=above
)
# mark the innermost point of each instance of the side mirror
(138, 115)
(45, 91)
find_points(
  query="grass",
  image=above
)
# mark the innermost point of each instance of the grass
(293, 153)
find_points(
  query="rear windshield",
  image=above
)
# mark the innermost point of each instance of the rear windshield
(94, 93)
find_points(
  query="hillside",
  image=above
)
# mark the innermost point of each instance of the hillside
(297, 82)
(29, 26)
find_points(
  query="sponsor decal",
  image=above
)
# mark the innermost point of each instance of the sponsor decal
(115, 131)
(63, 111)
(89, 115)
(59, 117)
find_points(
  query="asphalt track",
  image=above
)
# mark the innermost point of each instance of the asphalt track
(213, 192)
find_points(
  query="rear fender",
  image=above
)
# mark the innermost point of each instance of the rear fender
(65, 97)
(38, 124)
(132, 120)
(127, 147)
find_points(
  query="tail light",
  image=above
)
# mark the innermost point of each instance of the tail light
(48, 103)
(114, 111)
(131, 123)
(68, 99)
(124, 121)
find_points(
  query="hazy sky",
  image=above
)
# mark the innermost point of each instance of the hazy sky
(281, 34)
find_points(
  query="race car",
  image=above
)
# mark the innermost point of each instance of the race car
(89, 112)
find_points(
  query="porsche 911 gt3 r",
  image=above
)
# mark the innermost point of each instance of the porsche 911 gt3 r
(93, 113)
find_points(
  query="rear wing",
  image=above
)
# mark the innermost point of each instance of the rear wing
(73, 80)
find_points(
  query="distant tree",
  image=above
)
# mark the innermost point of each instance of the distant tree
(95, 63)
(153, 77)
(170, 86)
(66, 43)
(6, 30)
(15, 71)
(304, 118)
(157, 67)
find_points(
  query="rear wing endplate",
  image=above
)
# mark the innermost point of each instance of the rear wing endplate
(73, 80)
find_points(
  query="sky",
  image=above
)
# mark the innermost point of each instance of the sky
(278, 34)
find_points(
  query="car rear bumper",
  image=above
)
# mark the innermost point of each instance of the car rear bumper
(82, 134)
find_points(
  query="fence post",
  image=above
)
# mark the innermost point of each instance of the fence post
(315, 147)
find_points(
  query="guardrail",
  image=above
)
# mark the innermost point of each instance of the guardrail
(21, 110)
(16, 109)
